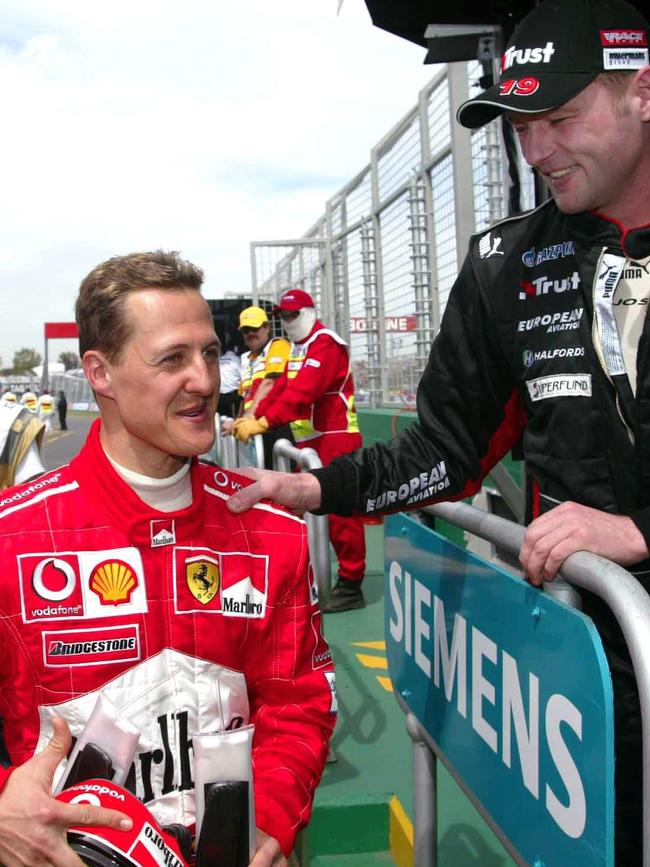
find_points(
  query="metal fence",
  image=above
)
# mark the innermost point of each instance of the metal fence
(381, 259)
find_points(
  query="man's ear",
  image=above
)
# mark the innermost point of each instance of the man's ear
(98, 372)
(642, 81)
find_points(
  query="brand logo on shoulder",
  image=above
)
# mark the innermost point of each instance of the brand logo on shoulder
(163, 532)
(568, 385)
(85, 647)
(489, 246)
(34, 488)
(81, 585)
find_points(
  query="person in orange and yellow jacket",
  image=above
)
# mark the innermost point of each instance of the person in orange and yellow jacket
(316, 395)
(264, 363)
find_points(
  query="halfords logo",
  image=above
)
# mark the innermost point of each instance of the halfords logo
(529, 357)
(522, 56)
(568, 320)
(575, 385)
(543, 286)
(554, 251)
(623, 37)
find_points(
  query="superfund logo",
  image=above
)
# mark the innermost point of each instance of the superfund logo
(546, 286)
(521, 56)
(570, 385)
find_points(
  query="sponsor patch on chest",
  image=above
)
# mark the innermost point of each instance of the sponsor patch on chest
(81, 585)
(560, 385)
(81, 647)
(232, 583)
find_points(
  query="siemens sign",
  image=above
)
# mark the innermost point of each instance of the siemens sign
(514, 689)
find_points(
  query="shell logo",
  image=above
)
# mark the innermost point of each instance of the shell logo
(113, 581)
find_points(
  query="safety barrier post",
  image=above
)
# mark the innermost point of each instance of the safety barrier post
(317, 525)
(425, 798)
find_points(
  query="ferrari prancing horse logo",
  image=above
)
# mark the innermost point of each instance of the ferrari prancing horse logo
(202, 576)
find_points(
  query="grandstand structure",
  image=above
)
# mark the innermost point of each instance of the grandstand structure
(381, 259)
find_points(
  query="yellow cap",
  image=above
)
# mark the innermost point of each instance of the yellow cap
(252, 317)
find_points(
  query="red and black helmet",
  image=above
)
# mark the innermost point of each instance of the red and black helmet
(145, 845)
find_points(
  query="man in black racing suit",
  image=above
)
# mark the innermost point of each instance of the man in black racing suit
(545, 337)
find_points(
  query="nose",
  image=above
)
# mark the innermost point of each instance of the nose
(537, 143)
(203, 376)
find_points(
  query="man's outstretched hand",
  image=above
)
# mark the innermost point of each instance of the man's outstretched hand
(33, 824)
(299, 492)
(570, 527)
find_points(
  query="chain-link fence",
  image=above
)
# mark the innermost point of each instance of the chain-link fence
(381, 260)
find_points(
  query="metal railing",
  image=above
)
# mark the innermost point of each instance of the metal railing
(619, 589)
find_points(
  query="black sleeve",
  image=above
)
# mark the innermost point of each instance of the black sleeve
(469, 416)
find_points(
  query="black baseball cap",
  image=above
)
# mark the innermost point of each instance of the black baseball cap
(556, 51)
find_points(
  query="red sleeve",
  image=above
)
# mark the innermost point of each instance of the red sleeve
(5, 773)
(293, 707)
(325, 365)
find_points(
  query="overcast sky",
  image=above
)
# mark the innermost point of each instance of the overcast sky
(197, 126)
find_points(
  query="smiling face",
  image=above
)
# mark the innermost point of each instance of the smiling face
(593, 151)
(158, 400)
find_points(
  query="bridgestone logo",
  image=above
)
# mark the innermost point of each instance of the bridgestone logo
(569, 385)
(108, 645)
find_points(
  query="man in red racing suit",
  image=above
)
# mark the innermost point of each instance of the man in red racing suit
(189, 619)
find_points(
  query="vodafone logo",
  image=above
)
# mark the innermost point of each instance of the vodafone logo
(58, 566)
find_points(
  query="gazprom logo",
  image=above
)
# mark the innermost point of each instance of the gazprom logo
(533, 257)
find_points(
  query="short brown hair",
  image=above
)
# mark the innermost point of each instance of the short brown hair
(99, 309)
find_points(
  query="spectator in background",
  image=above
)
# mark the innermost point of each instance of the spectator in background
(230, 369)
(264, 362)
(30, 400)
(9, 397)
(62, 409)
(316, 395)
(45, 409)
